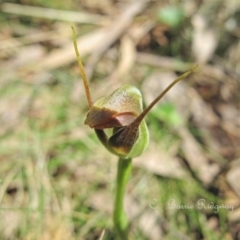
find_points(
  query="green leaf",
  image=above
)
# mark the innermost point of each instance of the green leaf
(171, 15)
(169, 114)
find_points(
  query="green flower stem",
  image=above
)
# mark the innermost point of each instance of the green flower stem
(119, 216)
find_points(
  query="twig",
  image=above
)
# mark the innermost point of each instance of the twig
(61, 57)
(115, 31)
(54, 14)
(28, 39)
(163, 62)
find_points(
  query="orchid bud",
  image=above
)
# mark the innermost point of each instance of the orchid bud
(123, 111)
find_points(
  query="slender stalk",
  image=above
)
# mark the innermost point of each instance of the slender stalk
(119, 216)
(152, 104)
(82, 71)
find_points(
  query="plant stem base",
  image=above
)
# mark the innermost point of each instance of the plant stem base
(121, 223)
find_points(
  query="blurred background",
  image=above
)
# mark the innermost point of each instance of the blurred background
(57, 181)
